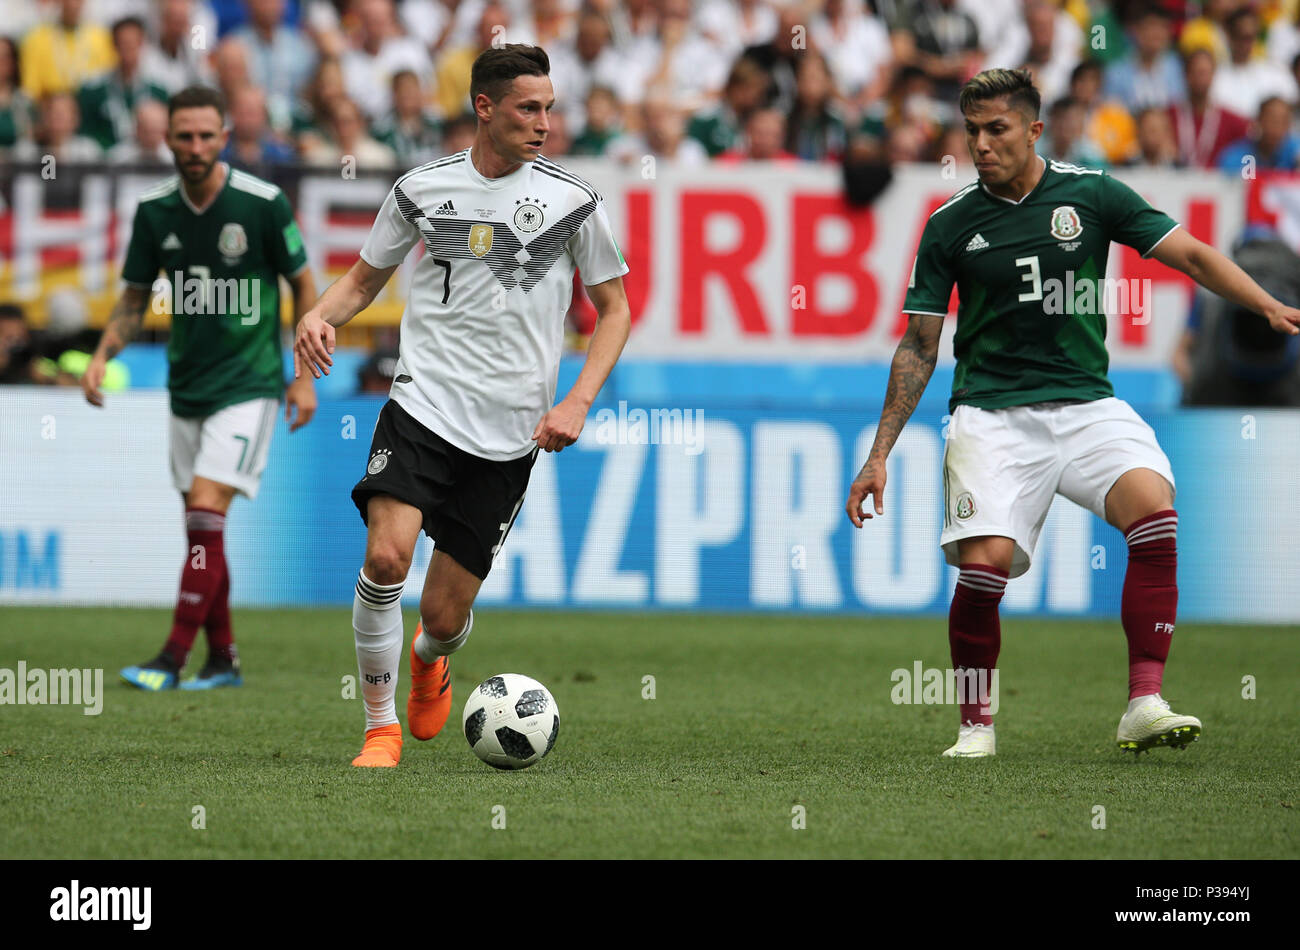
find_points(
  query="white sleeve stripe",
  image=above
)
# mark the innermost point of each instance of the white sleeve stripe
(1162, 237)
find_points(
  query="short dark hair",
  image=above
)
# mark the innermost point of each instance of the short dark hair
(197, 97)
(1016, 84)
(496, 68)
(123, 23)
(11, 311)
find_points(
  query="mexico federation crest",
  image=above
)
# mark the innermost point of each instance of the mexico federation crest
(528, 217)
(480, 239)
(378, 462)
(232, 242)
(1066, 225)
(965, 505)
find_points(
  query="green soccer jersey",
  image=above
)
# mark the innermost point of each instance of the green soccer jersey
(224, 264)
(1031, 326)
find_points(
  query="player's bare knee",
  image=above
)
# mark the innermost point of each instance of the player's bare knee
(387, 564)
(440, 620)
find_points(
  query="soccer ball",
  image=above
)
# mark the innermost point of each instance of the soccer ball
(511, 721)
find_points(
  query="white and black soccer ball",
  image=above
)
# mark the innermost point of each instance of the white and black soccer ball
(511, 721)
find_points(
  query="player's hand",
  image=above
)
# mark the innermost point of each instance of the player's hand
(1284, 320)
(92, 379)
(300, 395)
(870, 481)
(312, 346)
(560, 427)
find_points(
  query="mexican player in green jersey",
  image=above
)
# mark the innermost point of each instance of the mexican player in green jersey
(223, 239)
(1033, 412)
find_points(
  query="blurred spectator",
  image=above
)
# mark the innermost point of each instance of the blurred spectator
(458, 134)
(1151, 74)
(411, 130)
(719, 127)
(1108, 126)
(636, 25)
(56, 134)
(1052, 43)
(148, 145)
(311, 117)
(558, 139)
(765, 135)
(454, 64)
(590, 61)
(350, 140)
(943, 42)
(551, 24)
(233, 14)
(906, 142)
(662, 136)
(16, 350)
(186, 31)
(731, 25)
(1247, 78)
(1271, 144)
(1284, 38)
(441, 24)
(60, 56)
(1201, 128)
(681, 63)
(230, 63)
(108, 103)
(778, 57)
(1157, 147)
(603, 123)
(280, 57)
(1208, 31)
(857, 49)
(817, 128)
(1065, 139)
(17, 113)
(252, 144)
(1230, 356)
(952, 145)
(63, 349)
(379, 49)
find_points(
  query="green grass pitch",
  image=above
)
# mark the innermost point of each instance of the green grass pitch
(752, 716)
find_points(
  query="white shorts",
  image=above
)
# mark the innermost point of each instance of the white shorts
(1003, 467)
(230, 446)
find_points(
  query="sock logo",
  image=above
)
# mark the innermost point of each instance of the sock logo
(378, 678)
(1165, 628)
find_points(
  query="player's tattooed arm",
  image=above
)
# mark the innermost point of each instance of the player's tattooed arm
(910, 371)
(124, 322)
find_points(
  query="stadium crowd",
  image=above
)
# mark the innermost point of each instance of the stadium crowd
(1167, 84)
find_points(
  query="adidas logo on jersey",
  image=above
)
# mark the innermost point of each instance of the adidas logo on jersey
(447, 208)
(977, 243)
(171, 242)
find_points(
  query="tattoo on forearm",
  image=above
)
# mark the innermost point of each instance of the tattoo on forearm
(123, 323)
(908, 375)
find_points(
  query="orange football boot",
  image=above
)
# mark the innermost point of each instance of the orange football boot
(430, 699)
(383, 747)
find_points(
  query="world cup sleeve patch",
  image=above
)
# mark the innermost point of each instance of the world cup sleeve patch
(292, 238)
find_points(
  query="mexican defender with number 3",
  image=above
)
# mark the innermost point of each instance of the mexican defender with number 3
(1033, 412)
(503, 230)
(223, 239)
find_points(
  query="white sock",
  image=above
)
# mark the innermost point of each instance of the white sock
(1137, 701)
(430, 648)
(377, 623)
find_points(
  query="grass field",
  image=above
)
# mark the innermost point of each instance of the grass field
(752, 716)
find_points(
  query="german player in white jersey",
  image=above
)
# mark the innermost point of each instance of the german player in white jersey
(473, 396)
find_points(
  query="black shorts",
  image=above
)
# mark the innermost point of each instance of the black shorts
(468, 503)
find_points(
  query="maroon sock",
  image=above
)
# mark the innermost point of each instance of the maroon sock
(975, 632)
(221, 638)
(1150, 600)
(204, 564)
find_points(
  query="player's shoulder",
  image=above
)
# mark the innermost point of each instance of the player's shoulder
(566, 180)
(1069, 168)
(161, 195)
(251, 185)
(949, 211)
(434, 172)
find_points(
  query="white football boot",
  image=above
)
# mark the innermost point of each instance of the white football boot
(974, 741)
(1149, 723)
